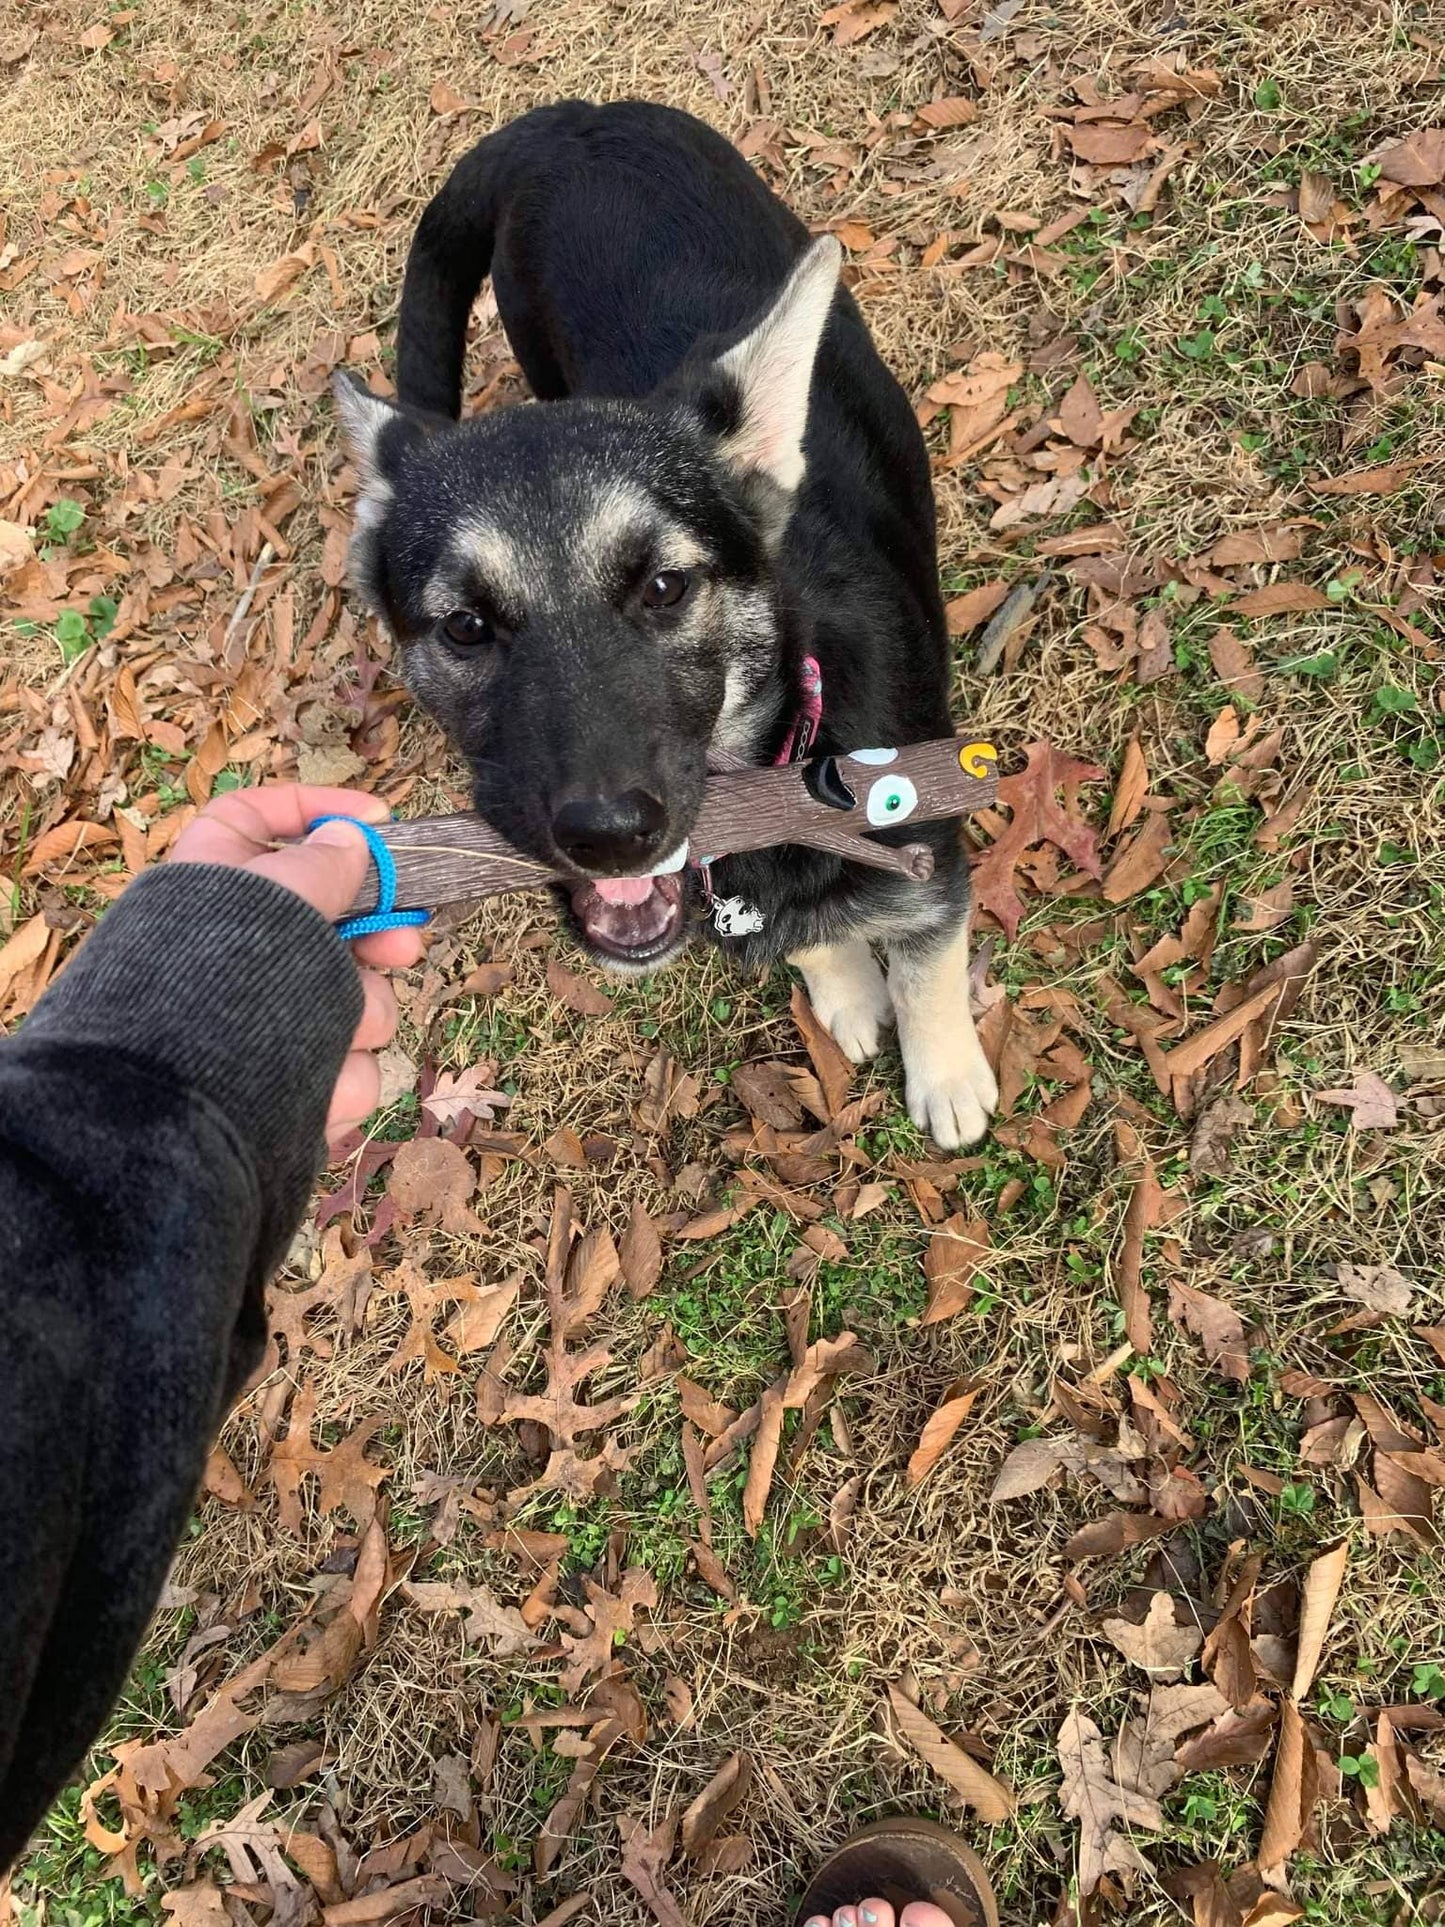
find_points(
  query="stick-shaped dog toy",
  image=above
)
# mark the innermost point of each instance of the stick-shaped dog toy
(832, 803)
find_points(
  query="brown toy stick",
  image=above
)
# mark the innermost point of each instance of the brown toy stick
(832, 803)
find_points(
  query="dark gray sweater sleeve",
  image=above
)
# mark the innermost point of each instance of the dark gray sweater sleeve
(161, 1117)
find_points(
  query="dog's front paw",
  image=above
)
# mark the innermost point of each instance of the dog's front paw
(951, 1096)
(848, 994)
(859, 1019)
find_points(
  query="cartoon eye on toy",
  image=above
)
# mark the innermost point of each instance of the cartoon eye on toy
(892, 799)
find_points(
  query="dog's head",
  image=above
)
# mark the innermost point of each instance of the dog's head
(586, 595)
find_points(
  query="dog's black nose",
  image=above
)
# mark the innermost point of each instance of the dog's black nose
(609, 832)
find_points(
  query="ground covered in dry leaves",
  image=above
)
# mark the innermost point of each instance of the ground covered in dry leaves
(666, 1460)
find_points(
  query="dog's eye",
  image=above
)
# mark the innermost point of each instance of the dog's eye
(665, 590)
(468, 629)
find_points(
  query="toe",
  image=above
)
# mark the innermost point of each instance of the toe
(875, 1913)
(846, 1917)
(922, 1913)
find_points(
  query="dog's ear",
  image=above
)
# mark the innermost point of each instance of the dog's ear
(758, 390)
(378, 433)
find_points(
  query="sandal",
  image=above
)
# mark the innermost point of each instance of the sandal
(899, 1861)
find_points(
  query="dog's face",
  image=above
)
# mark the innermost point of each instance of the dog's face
(585, 592)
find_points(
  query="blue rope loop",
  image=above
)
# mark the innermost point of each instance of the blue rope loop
(385, 916)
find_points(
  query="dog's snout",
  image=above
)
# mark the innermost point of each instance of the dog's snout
(609, 832)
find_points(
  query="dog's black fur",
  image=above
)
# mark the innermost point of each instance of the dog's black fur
(630, 247)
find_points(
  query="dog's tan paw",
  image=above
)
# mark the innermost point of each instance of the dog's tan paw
(848, 994)
(952, 1094)
(858, 1024)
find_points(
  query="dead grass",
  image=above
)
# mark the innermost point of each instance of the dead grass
(965, 1596)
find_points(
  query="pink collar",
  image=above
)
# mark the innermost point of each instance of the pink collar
(807, 717)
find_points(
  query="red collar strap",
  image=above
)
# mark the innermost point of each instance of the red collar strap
(807, 717)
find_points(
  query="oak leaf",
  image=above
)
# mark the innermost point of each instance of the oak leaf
(1036, 816)
(485, 1620)
(576, 1282)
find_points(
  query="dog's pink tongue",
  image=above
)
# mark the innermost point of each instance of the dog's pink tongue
(623, 889)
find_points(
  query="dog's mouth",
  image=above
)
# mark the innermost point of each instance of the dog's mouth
(634, 919)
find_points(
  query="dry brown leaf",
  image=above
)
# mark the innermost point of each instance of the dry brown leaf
(956, 1253)
(1316, 1610)
(1142, 861)
(708, 1414)
(1161, 1648)
(1209, 1149)
(1091, 1795)
(841, 1509)
(965, 612)
(1223, 735)
(464, 1093)
(485, 1620)
(1233, 663)
(641, 1252)
(938, 1434)
(1036, 816)
(575, 992)
(274, 280)
(723, 1794)
(766, 1441)
(1080, 417)
(989, 1797)
(1131, 788)
(834, 1071)
(1280, 598)
(1292, 1791)
(23, 948)
(1105, 144)
(1235, 1739)
(957, 110)
(1028, 1468)
(1380, 1287)
(1416, 161)
(1373, 1104)
(1387, 479)
(575, 1288)
(1144, 1752)
(1219, 1328)
(613, 1616)
(645, 1854)
(445, 101)
(1201, 1046)
(1268, 909)
(1107, 1537)
(198, 1905)
(433, 1178)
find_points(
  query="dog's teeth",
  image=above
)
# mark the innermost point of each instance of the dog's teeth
(670, 863)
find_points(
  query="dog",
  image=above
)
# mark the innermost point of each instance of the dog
(711, 541)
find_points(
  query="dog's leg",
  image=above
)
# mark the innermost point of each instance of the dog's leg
(848, 993)
(951, 1090)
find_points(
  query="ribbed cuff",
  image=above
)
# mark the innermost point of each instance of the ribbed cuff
(233, 985)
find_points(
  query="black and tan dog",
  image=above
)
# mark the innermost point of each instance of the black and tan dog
(722, 487)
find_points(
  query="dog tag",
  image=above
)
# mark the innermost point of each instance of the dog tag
(736, 917)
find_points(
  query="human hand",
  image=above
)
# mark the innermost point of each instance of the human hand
(242, 829)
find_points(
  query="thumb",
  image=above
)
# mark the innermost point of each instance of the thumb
(327, 870)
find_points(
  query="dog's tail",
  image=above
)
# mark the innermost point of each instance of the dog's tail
(449, 261)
